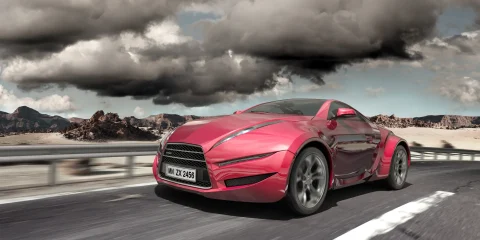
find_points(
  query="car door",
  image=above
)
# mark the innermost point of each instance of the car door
(371, 134)
(353, 143)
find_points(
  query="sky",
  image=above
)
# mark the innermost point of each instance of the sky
(70, 81)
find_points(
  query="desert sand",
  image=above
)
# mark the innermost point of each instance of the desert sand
(467, 138)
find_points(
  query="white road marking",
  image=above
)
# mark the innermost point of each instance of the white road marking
(392, 219)
(33, 198)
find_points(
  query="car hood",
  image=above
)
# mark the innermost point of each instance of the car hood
(206, 132)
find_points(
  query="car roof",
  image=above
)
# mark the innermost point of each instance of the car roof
(325, 101)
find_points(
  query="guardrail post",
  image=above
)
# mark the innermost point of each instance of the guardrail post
(460, 157)
(130, 163)
(422, 156)
(52, 173)
(448, 156)
(473, 157)
(435, 156)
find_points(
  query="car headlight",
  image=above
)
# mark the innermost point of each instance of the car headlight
(244, 159)
(164, 140)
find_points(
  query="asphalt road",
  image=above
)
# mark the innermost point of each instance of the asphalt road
(162, 213)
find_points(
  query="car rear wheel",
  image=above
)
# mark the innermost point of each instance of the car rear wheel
(308, 182)
(398, 169)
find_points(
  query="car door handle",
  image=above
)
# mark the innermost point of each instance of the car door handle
(369, 137)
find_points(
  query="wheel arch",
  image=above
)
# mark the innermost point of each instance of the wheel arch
(323, 147)
(404, 144)
(392, 141)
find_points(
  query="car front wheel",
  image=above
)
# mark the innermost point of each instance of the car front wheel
(308, 182)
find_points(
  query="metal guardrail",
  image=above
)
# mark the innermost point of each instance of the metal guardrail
(55, 153)
(29, 153)
(421, 153)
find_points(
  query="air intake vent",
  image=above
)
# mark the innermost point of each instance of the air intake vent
(247, 180)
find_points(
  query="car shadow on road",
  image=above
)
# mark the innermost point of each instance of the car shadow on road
(271, 211)
(354, 191)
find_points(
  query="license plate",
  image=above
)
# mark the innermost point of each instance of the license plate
(186, 174)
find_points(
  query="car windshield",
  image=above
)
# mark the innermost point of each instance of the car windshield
(305, 107)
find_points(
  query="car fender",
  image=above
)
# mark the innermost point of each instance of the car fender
(311, 138)
(391, 143)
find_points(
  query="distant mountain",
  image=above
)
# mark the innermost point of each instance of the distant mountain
(25, 119)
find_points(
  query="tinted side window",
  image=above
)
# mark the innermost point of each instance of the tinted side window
(332, 111)
(359, 116)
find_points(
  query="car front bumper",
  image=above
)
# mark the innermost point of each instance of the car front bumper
(260, 180)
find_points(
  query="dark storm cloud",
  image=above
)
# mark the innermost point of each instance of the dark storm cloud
(322, 35)
(217, 81)
(190, 100)
(35, 27)
(172, 73)
(309, 38)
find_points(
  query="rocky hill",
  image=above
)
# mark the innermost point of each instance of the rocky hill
(429, 121)
(25, 119)
(104, 127)
(451, 121)
(109, 126)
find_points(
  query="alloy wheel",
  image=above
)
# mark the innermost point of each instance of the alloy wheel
(310, 180)
(400, 169)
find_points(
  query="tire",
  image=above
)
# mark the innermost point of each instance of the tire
(398, 169)
(316, 182)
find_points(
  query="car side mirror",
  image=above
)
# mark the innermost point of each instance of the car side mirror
(237, 112)
(345, 112)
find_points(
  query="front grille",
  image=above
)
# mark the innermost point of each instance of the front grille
(187, 156)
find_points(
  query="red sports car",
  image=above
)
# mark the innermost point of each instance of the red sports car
(294, 150)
